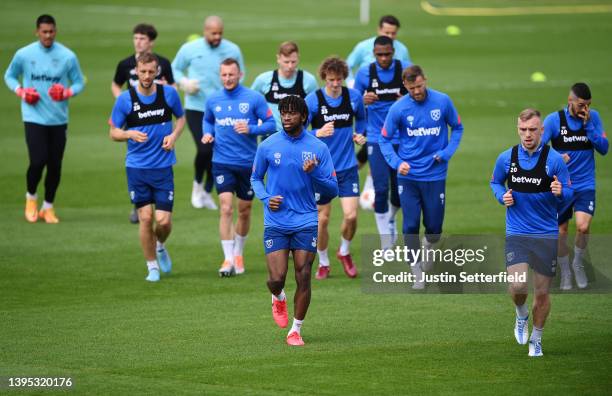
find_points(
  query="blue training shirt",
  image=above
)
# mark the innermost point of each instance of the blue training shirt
(223, 109)
(340, 144)
(40, 67)
(363, 54)
(198, 60)
(281, 157)
(263, 82)
(582, 162)
(423, 132)
(377, 111)
(532, 213)
(147, 155)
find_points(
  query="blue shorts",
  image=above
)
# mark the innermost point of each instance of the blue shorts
(233, 179)
(302, 239)
(539, 253)
(151, 186)
(348, 186)
(428, 197)
(582, 201)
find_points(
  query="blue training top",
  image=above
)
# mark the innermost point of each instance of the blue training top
(281, 157)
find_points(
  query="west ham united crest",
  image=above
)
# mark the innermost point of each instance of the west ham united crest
(435, 114)
(243, 107)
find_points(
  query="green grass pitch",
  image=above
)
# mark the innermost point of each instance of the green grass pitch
(73, 296)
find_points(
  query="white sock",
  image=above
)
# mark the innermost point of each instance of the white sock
(297, 326)
(228, 250)
(280, 297)
(198, 186)
(31, 196)
(152, 265)
(393, 211)
(382, 222)
(160, 246)
(536, 334)
(369, 183)
(578, 253)
(344, 247)
(47, 205)
(323, 258)
(522, 311)
(239, 241)
(426, 244)
(564, 265)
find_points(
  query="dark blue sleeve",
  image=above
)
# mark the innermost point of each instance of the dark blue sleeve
(596, 134)
(454, 121)
(362, 79)
(324, 176)
(385, 140)
(500, 174)
(208, 121)
(260, 167)
(263, 113)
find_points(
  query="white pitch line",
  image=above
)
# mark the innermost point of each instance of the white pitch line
(513, 11)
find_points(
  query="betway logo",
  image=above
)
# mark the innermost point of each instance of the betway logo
(336, 117)
(386, 91)
(44, 77)
(572, 139)
(435, 131)
(280, 95)
(151, 113)
(229, 121)
(525, 179)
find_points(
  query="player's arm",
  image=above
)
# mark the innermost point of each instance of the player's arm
(401, 51)
(76, 77)
(386, 136)
(173, 99)
(13, 73)
(260, 167)
(179, 65)
(121, 109)
(498, 179)
(310, 83)
(353, 60)
(596, 134)
(208, 124)
(323, 174)
(561, 185)
(454, 121)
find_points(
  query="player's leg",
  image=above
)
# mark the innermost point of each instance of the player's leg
(584, 211)
(324, 214)
(202, 161)
(164, 202)
(544, 256)
(148, 240)
(245, 195)
(37, 142)
(518, 289)
(410, 199)
(349, 227)
(433, 195)
(395, 206)
(564, 216)
(226, 183)
(276, 248)
(56, 146)
(380, 177)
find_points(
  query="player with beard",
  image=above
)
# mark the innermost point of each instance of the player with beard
(196, 68)
(142, 117)
(290, 209)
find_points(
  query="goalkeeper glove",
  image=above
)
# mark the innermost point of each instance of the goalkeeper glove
(189, 86)
(58, 92)
(28, 94)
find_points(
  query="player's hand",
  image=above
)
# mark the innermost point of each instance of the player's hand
(207, 138)
(58, 92)
(162, 80)
(275, 202)
(326, 130)
(556, 187)
(310, 164)
(508, 199)
(369, 98)
(29, 95)
(137, 136)
(566, 157)
(169, 141)
(403, 169)
(359, 139)
(437, 158)
(585, 115)
(241, 127)
(189, 86)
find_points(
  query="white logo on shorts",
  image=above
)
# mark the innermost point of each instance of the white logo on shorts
(220, 179)
(400, 189)
(591, 205)
(314, 242)
(171, 196)
(442, 198)
(355, 188)
(250, 192)
(435, 114)
(243, 107)
(510, 256)
(370, 150)
(269, 243)
(317, 196)
(132, 195)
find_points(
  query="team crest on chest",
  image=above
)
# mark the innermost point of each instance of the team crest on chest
(243, 107)
(307, 155)
(435, 114)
